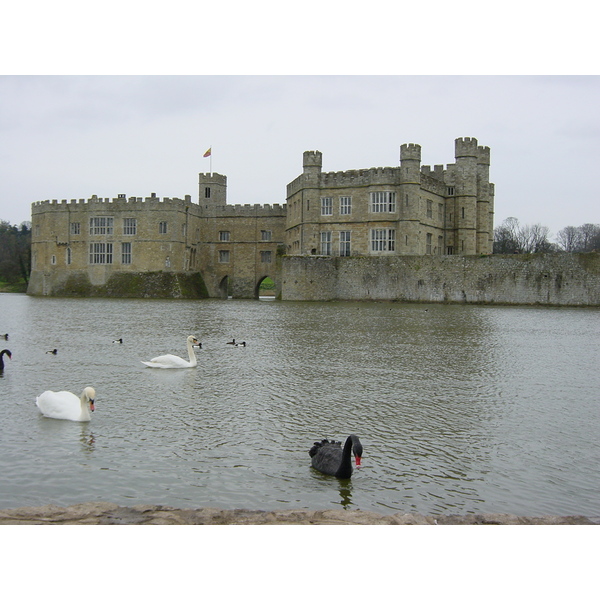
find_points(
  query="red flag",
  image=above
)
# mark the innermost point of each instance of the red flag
(207, 153)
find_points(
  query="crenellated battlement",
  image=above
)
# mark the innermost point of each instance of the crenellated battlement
(250, 210)
(212, 178)
(119, 202)
(465, 148)
(410, 152)
(483, 155)
(312, 158)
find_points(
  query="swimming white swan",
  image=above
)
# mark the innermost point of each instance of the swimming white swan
(65, 405)
(170, 361)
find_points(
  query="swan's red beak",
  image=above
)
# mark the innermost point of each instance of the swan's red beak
(358, 459)
(92, 407)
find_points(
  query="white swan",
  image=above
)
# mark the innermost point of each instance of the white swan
(170, 361)
(65, 405)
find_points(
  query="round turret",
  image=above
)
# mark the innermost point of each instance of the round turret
(410, 152)
(465, 148)
(312, 160)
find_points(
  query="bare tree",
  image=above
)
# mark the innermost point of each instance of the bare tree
(585, 238)
(510, 238)
(569, 238)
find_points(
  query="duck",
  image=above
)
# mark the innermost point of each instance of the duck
(66, 405)
(8, 353)
(232, 342)
(55, 351)
(5, 336)
(170, 361)
(119, 341)
(329, 457)
(240, 345)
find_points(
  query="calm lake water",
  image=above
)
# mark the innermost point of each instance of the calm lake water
(461, 409)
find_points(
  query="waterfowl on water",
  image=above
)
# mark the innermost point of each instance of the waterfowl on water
(240, 345)
(66, 405)
(55, 351)
(8, 353)
(170, 361)
(232, 342)
(329, 457)
(119, 341)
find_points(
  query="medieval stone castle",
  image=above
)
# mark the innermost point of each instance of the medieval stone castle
(106, 246)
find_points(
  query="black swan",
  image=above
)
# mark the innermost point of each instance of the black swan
(329, 458)
(8, 353)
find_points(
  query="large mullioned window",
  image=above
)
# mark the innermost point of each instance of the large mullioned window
(383, 240)
(126, 253)
(326, 206)
(344, 243)
(326, 243)
(345, 205)
(129, 226)
(382, 202)
(101, 253)
(101, 226)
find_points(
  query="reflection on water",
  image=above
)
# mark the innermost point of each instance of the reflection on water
(460, 408)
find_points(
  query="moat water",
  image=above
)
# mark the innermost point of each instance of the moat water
(461, 409)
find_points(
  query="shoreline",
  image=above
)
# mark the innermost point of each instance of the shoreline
(106, 513)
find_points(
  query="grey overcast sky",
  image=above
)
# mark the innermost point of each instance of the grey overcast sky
(67, 134)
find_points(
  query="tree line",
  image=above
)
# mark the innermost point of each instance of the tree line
(15, 252)
(513, 238)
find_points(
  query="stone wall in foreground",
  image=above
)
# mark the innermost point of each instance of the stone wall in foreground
(545, 279)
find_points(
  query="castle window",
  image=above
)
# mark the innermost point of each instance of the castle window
(326, 206)
(68, 256)
(463, 212)
(440, 212)
(326, 243)
(451, 191)
(224, 236)
(101, 226)
(383, 240)
(428, 243)
(383, 202)
(75, 228)
(129, 226)
(162, 227)
(345, 205)
(265, 256)
(207, 192)
(345, 243)
(101, 253)
(126, 253)
(430, 209)
(53, 259)
(265, 236)
(223, 256)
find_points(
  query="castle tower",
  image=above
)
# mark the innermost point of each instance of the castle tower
(212, 189)
(312, 162)
(409, 200)
(465, 200)
(485, 203)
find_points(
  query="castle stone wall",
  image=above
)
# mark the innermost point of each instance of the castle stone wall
(553, 280)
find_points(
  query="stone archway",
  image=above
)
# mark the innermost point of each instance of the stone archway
(225, 288)
(266, 289)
